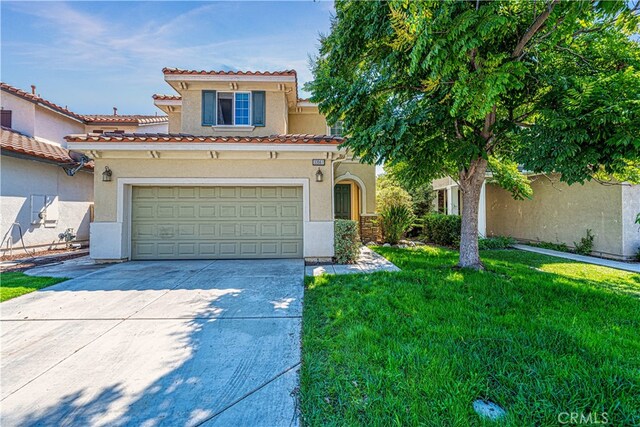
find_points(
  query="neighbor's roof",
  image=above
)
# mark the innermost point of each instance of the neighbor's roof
(285, 73)
(16, 142)
(39, 100)
(186, 138)
(84, 118)
(137, 119)
(162, 97)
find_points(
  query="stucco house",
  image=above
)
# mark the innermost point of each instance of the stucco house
(247, 170)
(557, 213)
(39, 200)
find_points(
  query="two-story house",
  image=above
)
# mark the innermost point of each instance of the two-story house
(44, 191)
(247, 170)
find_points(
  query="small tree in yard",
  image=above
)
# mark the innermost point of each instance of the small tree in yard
(440, 88)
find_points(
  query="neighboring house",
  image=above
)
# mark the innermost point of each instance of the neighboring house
(557, 213)
(39, 200)
(248, 170)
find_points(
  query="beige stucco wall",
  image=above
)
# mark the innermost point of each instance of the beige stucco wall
(367, 174)
(152, 128)
(39, 122)
(54, 127)
(275, 114)
(175, 122)
(259, 167)
(559, 213)
(22, 113)
(20, 179)
(309, 121)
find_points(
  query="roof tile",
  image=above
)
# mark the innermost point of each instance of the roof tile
(12, 140)
(291, 73)
(187, 138)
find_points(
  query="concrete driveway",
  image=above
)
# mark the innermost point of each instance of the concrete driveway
(176, 343)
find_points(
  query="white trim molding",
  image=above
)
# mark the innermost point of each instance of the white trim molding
(181, 146)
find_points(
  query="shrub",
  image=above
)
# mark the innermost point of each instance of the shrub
(586, 244)
(389, 192)
(442, 229)
(562, 247)
(395, 220)
(496, 242)
(346, 241)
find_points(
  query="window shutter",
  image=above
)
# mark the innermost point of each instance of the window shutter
(258, 107)
(208, 107)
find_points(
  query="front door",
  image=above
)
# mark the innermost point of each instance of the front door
(342, 201)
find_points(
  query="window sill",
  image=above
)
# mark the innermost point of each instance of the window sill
(234, 128)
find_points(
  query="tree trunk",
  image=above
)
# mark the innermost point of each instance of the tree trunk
(471, 185)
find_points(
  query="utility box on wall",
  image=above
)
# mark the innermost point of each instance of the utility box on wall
(44, 210)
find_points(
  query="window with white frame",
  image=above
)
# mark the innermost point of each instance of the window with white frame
(337, 129)
(234, 108)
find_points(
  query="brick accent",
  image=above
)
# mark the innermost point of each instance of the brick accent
(369, 229)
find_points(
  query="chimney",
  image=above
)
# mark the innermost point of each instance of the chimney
(115, 111)
(33, 89)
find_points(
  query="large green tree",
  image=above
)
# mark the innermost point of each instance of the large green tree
(453, 87)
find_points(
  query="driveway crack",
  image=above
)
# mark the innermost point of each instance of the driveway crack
(243, 397)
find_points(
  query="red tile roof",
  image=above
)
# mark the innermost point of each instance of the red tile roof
(85, 118)
(186, 138)
(137, 119)
(38, 100)
(14, 141)
(167, 97)
(290, 73)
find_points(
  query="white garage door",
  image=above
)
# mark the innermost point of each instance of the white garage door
(216, 222)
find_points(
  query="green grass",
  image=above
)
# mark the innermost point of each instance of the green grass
(15, 284)
(538, 335)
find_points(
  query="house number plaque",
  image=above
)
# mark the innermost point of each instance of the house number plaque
(317, 162)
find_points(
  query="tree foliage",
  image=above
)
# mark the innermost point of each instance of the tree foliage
(444, 87)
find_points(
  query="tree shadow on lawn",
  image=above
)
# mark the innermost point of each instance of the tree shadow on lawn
(535, 342)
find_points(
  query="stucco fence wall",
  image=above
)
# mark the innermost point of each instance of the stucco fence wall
(561, 213)
(109, 233)
(20, 179)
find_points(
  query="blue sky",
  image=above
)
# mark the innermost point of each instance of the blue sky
(92, 56)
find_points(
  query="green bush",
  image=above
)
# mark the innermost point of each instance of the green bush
(562, 247)
(586, 244)
(395, 221)
(442, 229)
(346, 241)
(496, 242)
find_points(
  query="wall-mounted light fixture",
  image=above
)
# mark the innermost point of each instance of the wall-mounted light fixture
(319, 175)
(106, 175)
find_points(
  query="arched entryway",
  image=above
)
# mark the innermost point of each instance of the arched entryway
(349, 197)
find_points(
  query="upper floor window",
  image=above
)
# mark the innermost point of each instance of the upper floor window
(6, 118)
(337, 129)
(233, 108)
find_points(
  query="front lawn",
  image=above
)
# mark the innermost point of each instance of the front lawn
(540, 336)
(15, 284)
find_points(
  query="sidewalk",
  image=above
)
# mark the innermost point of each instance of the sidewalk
(369, 262)
(633, 267)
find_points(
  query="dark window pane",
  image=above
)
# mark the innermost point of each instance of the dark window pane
(6, 118)
(225, 109)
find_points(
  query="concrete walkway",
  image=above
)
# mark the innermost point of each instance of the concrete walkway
(627, 266)
(181, 343)
(368, 262)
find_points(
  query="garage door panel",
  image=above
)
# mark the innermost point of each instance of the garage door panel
(216, 222)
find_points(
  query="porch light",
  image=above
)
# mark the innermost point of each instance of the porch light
(319, 175)
(106, 175)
